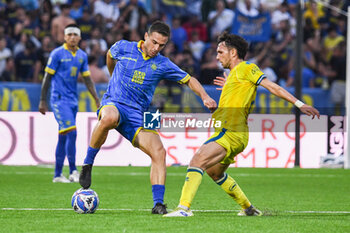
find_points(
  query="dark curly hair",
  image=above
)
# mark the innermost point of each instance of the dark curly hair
(234, 41)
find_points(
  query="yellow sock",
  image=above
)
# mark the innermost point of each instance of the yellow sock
(192, 182)
(229, 185)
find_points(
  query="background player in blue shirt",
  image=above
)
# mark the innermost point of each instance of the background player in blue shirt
(136, 69)
(62, 70)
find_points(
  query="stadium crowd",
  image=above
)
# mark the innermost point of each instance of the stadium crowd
(31, 29)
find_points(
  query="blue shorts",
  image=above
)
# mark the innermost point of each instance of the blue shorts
(65, 113)
(130, 121)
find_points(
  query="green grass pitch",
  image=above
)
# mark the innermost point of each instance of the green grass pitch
(293, 200)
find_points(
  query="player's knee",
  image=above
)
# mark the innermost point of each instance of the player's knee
(159, 155)
(108, 121)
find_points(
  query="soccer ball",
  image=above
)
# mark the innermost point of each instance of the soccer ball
(85, 201)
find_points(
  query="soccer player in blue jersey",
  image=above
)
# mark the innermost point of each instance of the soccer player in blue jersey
(136, 68)
(62, 70)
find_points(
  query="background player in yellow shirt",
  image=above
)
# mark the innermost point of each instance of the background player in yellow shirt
(219, 151)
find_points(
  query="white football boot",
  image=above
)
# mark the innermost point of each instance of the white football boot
(60, 179)
(179, 212)
(74, 177)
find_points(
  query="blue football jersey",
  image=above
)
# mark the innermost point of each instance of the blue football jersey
(65, 66)
(135, 76)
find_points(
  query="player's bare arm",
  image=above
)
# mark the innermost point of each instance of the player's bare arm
(110, 63)
(282, 93)
(44, 88)
(197, 88)
(91, 87)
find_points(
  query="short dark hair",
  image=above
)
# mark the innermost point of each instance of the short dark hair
(72, 25)
(234, 41)
(160, 27)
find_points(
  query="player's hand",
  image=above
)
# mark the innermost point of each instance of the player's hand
(220, 81)
(210, 103)
(43, 107)
(310, 111)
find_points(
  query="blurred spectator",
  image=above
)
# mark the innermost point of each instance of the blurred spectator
(206, 7)
(178, 34)
(337, 76)
(26, 64)
(265, 66)
(5, 55)
(196, 46)
(28, 5)
(44, 28)
(59, 23)
(220, 19)
(308, 78)
(209, 67)
(47, 45)
(76, 12)
(331, 40)
(194, 24)
(96, 37)
(248, 7)
(108, 9)
(86, 24)
(132, 14)
(314, 12)
(97, 74)
(280, 14)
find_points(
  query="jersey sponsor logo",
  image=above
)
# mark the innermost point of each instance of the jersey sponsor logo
(128, 58)
(138, 77)
(66, 59)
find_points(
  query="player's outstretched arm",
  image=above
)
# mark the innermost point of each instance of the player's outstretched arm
(283, 93)
(197, 88)
(91, 87)
(43, 95)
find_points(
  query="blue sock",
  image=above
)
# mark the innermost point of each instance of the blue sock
(71, 149)
(90, 156)
(60, 154)
(158, 193)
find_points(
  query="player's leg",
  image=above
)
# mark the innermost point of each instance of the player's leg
(60, 155)
(71, 143)
(207, 155)
(150, 143)
(108, 119)
(230, 186)
(71, 154)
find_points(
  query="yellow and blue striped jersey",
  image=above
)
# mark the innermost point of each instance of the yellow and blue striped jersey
(135, 76)
(64, 66)
(238, 95)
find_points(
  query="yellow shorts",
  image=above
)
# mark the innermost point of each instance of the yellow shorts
(233, 142)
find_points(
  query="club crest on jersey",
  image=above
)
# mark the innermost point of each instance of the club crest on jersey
(81, 60)
(154, 66)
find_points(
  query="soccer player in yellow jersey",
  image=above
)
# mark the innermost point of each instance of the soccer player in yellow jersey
(219, 151)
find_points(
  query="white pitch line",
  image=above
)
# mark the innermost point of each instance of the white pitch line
(217, 211)
(184, 174)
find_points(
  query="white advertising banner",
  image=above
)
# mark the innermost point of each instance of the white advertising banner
(29, 138)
